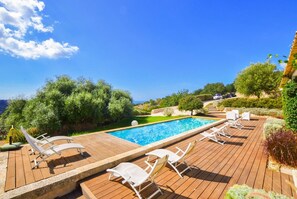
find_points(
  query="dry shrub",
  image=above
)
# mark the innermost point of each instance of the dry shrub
(282, 147)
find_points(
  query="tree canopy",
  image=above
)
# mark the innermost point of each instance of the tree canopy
(65, 104)
(190, 103)
(257, 79)
(214, 88)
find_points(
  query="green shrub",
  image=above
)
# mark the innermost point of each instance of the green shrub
(168, 111)
(271, 103)
(64, 105)
(282, 147)
(204, 97)
(140, 112)
(272, 125)
(244, 191)
(190, 103)
(290, 105)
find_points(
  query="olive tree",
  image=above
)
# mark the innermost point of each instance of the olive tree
(190, 103)
(257, 79)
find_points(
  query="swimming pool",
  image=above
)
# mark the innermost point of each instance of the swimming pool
(155, 132)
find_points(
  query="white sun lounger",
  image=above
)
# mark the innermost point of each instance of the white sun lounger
(235, 123)
(44, 153)
(135, 176)
(212, 136)
(43, 140)
(174, 159)
(222, 131)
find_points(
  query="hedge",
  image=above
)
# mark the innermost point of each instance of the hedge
(253, 103)
(290, 105)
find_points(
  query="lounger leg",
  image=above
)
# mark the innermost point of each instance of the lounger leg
(80, 151)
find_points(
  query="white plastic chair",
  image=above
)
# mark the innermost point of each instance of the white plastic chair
(175, 159)
(236, 113)
(246, 116)
(135, 176)
(230, 115)
(44, 153)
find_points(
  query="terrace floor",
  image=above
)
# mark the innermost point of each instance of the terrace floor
(98, 146)
(216, 168)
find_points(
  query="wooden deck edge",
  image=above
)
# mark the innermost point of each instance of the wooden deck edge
(64, 183)
(3, 169)
(87, 192)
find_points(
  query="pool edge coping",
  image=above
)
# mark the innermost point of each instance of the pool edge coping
(141, 125)
(64, 183)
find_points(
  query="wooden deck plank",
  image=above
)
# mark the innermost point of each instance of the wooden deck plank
(20, 174)
(10, 175)
(27, 166)
(268, 180)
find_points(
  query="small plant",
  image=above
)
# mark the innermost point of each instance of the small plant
(168, 111)
(244, 191)
(17, 135)
(282, 147)
(273, 125)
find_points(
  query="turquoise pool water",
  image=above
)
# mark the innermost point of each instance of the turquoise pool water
(155, 132)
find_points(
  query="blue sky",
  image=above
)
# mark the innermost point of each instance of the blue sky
(151, 48)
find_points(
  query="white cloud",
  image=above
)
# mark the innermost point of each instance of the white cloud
(21, 17)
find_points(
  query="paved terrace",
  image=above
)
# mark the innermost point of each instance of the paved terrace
(240, 161)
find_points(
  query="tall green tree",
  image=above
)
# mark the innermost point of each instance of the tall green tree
(214, 88)
(190, 103)
(230, 88)
(257, 79)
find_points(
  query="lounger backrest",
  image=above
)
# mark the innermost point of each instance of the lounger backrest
(31, 141)
(158, 166)
(189, 149)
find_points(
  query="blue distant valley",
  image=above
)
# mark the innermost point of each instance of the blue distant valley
(3, 105)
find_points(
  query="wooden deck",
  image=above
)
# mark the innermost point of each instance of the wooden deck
(240, 161)
(97, 147)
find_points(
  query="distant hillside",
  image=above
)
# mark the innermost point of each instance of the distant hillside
(3, 105)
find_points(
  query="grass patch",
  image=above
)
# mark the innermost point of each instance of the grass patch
(127, 122)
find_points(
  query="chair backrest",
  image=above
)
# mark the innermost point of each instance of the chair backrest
(230, 115)
(157, 167)
(236, 113)
(31, 141)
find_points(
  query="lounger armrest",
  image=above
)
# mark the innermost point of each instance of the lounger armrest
(149, 166)
(179, 150)
(42, 137)
(52, 148)
(47, 142)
